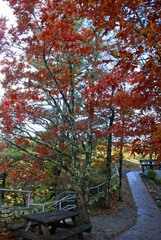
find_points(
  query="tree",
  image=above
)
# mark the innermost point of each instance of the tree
(55, 64)
(106, 90)
(138, 41)
(51, 65)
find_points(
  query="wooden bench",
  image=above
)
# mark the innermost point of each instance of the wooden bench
(65, 234)
(50, 226)
(149, 165)
(15, 227)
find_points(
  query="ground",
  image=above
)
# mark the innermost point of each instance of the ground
(122, 215)
(154, 189)
(108, 223)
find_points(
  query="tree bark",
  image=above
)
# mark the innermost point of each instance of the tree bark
(82, 202)
(151, 157)
(120, 169)
(4, 176)
(109, 161)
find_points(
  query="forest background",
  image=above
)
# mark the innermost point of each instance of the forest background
(81, 79)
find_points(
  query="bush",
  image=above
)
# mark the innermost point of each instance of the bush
(95, 200)
(151, 175)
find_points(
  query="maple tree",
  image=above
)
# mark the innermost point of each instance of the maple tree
(58, 78)
(19, 170)
(51, 64)
(114, 116)
(105, 90)
(139, 52)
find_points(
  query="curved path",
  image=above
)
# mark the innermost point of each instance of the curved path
(148, 225)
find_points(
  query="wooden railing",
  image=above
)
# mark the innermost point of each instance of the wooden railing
(149, 165)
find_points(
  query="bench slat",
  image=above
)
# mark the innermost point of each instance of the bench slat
(15, 226)
(72, 232)
(31, 235)
(58, 236)
(19, 226)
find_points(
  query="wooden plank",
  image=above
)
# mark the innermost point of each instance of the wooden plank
(31, 235)
(149, 164)
(72, 232)
(15, 226)
(58, 236)
(66, 234)
(49, 217)
(19, 226)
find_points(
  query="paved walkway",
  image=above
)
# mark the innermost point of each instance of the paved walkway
(148, 225)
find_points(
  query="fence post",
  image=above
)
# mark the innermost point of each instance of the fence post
(43, 208)
(28, 200)
(1, 199)
(60, 206)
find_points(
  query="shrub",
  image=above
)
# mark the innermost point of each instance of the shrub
(151, 175)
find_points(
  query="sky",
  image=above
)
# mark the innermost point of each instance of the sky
(5, 11)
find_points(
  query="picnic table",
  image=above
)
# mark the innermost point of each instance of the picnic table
(53, 226)
(149, 165)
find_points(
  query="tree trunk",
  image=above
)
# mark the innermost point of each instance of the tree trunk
(151, 156)
(109, 161)
(4, 176)
(82, 201)
(108, 174)
(120, 169)
(83, 176)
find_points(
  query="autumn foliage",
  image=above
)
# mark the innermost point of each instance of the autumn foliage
(75, 72)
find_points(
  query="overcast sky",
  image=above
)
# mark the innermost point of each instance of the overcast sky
(3, 7)
(6, 11)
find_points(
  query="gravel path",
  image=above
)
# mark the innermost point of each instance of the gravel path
(109, 226)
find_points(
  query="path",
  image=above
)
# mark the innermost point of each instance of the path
(148, 225)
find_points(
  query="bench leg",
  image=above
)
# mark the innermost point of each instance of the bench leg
(80, 235)
(27, 225)
(54, 227)
(75, 220)
(45, 230)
